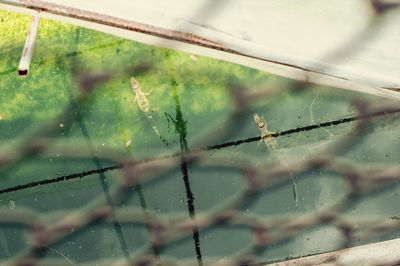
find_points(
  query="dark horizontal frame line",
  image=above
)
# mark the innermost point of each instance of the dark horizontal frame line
(208, 148)
(304, 129)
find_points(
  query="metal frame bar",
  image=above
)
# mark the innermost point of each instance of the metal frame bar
(26, 57)
(381, 253)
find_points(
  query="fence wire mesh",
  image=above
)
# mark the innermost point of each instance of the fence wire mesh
(197, 149)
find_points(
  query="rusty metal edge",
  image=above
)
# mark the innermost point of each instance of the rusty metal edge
(42, 6)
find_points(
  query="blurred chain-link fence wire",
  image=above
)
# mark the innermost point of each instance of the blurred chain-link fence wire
(258, 178)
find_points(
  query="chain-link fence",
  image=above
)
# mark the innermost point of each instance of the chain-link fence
(217, 153)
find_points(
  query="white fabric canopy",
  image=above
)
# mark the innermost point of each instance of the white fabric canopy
(341, 44)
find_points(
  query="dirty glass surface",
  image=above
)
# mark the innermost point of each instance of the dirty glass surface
(193, 160)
